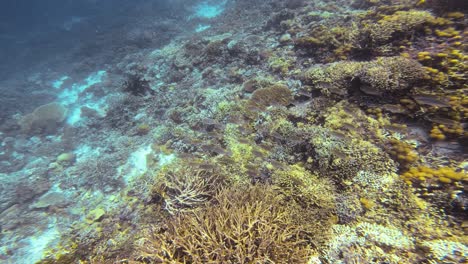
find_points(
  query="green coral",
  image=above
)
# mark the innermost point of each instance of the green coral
(305, 188)
(241, 155)
(401, 22)
(384, 74)
(224, 109)
(280, 65)
(345, 144)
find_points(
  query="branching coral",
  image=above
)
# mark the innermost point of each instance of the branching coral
(242, 226)
(186, 187)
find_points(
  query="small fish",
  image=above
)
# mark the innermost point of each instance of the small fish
(396, 128)
(338, 91)
(214, 149)
(350, 109)
(266, 147)
(276, 164)
(295, 140)
(304, 93)
(348, 126)
(210, 121)
(252, 167)
(277, 136)
(332, 89)
(394, 109)
(339, 154)
(254, 107)
(236, 119)
(244, 130)
(323, 85)
(431, 100)
(243, 141)
(307, 103)
(224, 160)
(214, 134)
(257, 153)
(185, 156)
(207, 166)
(441, 120)
(338, 135)
(369, 90)
(252, 173)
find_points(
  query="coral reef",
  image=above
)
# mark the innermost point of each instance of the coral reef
(244, 225)
(263, 132)
(186, 187)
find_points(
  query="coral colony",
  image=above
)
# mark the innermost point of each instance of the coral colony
(248, 131)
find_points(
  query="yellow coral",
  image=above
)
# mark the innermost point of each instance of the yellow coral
(403, 152)
(423, 173)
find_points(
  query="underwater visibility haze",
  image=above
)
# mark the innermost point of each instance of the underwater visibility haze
(233, 131)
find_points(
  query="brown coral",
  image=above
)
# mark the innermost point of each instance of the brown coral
(277, 94)
(245, 225)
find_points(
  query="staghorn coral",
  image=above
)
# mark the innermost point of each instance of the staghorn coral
(185, 187)
(244, 225)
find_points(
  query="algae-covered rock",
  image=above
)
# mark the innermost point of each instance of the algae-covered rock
(55, 199)
(44, 118)
(95, 215)
(66, 157)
